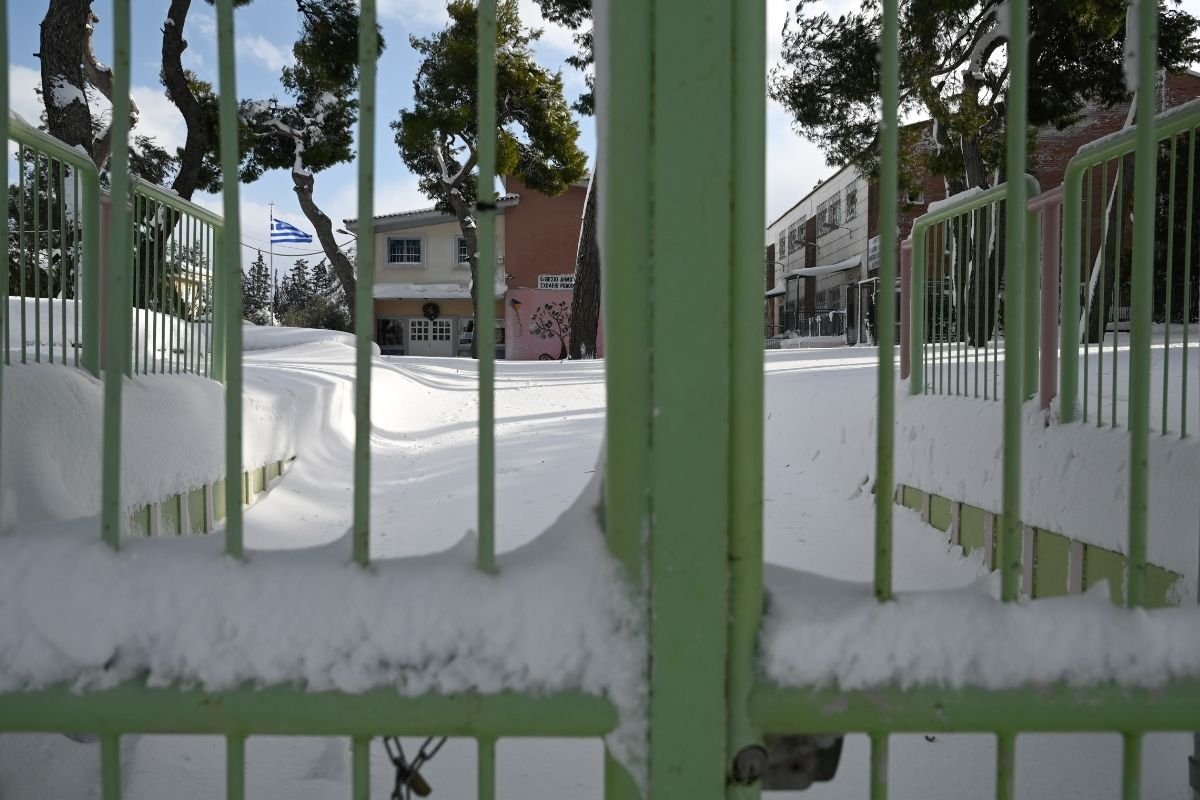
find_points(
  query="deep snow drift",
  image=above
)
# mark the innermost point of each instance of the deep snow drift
(818, 516)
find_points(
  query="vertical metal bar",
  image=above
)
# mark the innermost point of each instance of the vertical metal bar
(206, 298)
(139, 273)
(625, 167)
(1187, 280)
(110, 762)
(21, 251)
(91, 272)
(1051, 242)
(194, 286)
(625, 192)
(51, 194)
(1131, 766)
(980, 249)
(360, 763)
(235, 767)
(989, 256)
(233, 293)
(364, 302)
(486, 768)
(485, 306)
(77, 262)
(1167, 297)
(879, 761)
(748, 115)
(1006, 755)
(905, 306)
(1101, 320)
(116, 343)
(692, 239)
(178, 273)
(1068, 318)
(916, 322)
(155, 284)
(1115, 306)
(1145, 174)
(997, 266)
(35, 261)
(221, 273)
(1014, 280)
(889, 183)
(1033, 248)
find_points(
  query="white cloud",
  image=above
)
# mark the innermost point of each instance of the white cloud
(554, 37)
(259, 47)
(23, 98)
(159, 117)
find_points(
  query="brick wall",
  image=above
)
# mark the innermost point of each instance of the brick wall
(541, 233)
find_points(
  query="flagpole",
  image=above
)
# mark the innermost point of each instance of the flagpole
(274, 277)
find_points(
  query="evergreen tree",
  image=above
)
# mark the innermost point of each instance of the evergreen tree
(315, 131)
(954, 67)
(256, 292)
(296, 290)
(535, 133)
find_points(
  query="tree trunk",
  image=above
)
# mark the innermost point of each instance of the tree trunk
(470, 232)
(64, 35)
(1110, 257)
(303, 186)
(585, 301)
(180, 93)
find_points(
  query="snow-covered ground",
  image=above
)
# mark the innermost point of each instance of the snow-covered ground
(818, 516)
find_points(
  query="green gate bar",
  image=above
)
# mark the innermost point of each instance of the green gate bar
(485, 286)
(364, 299)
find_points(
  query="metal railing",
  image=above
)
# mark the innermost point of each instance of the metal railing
(683, 471)
(959, 317)
(1118, 301)
(53, 253)
(174, 307)
(57, 262)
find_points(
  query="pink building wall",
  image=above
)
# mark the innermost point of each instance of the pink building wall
(524, 309)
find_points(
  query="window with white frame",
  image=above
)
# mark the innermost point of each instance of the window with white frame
(405, 250)
(463, 255)
(851, 202)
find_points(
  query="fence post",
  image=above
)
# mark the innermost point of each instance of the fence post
(917, 301)
(1051, 240)
(1033, 241)
(905, 308)
(96, 300)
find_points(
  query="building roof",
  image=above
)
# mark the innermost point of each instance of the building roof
(825, 269)
(420, 217)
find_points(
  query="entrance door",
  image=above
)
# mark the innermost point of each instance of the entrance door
(441, 338)
(419, 343)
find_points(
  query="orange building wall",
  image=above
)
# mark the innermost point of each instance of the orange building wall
(541, 234)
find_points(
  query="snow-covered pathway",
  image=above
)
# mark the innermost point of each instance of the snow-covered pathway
(550, 418)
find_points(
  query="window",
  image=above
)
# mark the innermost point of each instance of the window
(463, 256)
(833, 217)
(440, 331)
(851, 203)
(781, 250)
(418, 330)
(404, 250)
(913, 196)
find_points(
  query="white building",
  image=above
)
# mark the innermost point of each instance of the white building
(820, 255)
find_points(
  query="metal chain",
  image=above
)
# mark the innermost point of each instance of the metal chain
(408, 775)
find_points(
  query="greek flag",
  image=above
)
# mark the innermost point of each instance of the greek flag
(283, 233)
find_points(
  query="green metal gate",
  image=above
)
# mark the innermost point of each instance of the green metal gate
(682, 505)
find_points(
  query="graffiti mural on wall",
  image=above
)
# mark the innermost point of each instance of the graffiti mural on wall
(552, 321)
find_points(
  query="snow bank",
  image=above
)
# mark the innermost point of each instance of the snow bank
(50, 463)
(267, 337)
(561, 618)
(1075, 478)
(822, 632)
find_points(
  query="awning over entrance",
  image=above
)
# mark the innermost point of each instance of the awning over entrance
(826, 269)
(777, 291)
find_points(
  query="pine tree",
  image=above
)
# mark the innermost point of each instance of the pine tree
(536, 137)
(256, 292)
(316, 131)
